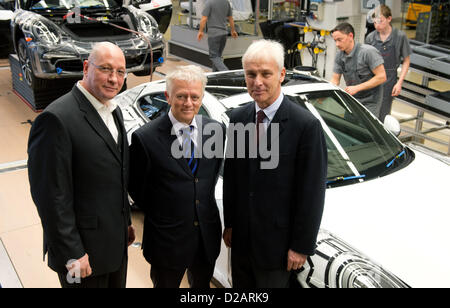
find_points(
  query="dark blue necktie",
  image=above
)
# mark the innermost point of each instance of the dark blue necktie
(189, 149)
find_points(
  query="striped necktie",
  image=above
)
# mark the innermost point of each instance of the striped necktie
(189, 148)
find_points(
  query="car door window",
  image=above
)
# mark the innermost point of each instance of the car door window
(154, 105)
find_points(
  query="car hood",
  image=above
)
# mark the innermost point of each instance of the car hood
(401, 221)
(155, 4)
(30, 3)
(6, 14)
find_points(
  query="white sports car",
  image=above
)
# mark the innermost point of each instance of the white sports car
(387, 210)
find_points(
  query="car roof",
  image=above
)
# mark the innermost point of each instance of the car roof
(236, 78)
(294, 84)
(30, 3)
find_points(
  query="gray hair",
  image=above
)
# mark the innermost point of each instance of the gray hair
(265, 50)
(188, 73)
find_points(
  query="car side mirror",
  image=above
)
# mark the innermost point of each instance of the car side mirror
(392, 125)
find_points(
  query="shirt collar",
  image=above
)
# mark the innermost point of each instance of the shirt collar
(177, 125)
(109, 106)
(352, 53)
(271, 110)
(378, 36)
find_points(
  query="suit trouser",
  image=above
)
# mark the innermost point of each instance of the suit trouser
(115, 279)
(246, 274)
(199, 271)
(216, 45)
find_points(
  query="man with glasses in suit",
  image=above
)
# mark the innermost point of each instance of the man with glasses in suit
(78, 170)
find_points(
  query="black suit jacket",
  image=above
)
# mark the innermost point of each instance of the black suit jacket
(274, 210)
(78, 179)
(173, 199)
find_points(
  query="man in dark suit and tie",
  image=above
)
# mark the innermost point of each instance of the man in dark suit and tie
(272, 215)
(78, 164)
(182, 228)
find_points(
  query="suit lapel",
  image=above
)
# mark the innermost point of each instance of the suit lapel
(250, 114)
(281, 116)
(96, 122)
(249, 117)
(203, 162)
(167, 138)
(122, 141)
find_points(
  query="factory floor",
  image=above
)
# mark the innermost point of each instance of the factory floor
(21, 261)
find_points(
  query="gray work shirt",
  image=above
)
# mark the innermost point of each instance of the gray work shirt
(393, 50)
(357, 68)
(399, 41)
(362, 60)
(217, 12)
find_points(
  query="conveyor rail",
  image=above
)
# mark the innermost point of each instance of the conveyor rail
(420, 97)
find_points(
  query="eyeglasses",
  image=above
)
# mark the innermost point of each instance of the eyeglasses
(378, 20)
(108, 71)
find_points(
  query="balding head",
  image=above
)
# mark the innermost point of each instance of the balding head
(100, 76)
(100, 48)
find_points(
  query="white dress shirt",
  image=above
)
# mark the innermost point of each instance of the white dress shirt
(178, 126)
(270, 111)
(104, 110)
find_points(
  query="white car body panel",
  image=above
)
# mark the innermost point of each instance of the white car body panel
(402, 226)
(405, 248)
(155, 4)
(236, 100)
(6, 14)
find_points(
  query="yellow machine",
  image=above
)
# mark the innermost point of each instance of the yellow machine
(414, 9)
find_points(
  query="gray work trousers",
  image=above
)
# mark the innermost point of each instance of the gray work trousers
(216, 45)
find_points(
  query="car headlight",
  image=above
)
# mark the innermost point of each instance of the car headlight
(46, 32)
(146, 23)
(338, 265)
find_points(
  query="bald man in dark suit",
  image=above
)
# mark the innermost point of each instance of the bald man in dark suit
(78, 171)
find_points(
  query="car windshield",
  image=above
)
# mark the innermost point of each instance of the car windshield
(359, 148)
(70, 4)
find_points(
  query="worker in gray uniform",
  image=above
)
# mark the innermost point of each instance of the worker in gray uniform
(215, 14)
(395, 50)
(362, 67)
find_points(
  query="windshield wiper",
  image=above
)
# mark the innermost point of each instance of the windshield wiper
(345, 178)
(395, 158)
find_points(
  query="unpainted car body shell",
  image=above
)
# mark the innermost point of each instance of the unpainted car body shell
(64, 60)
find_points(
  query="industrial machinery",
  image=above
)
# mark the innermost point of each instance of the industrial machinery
(415, 7)
(433, 63)
(183, 42)
(37, 99)
(433, 25)
(161, 10)
(304, 29)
